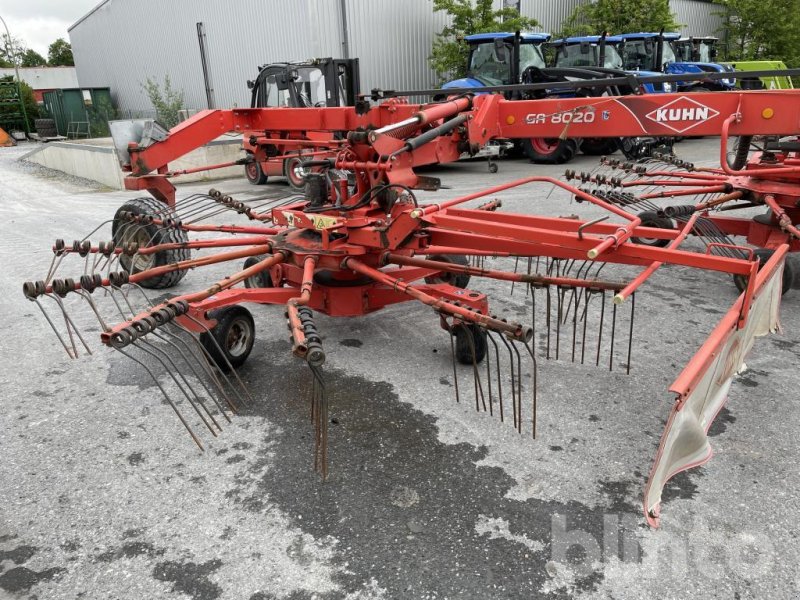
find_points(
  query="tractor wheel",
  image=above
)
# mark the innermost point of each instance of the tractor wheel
(229, 343)
(125, 232)
(763, 256)
(471, 344)
(599, 146)
(550, 150)
(261, 280)
(295, 173)
(255, 175)
(459, 280)
(737, 151)
(651, 219)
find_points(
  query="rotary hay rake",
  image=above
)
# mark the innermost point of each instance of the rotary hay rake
(346, 249)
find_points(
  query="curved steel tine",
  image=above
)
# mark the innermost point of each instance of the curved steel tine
(319, 398)
(70, 323)
(585, 319)
(166, 396)
(490, 336)
(88, 297)
(600, 329)
(163, 335)
(630, 334)
(205, 362)
(516, 267)
(222, 354)
(475, 373)
(519, 386)
(613, 333)
(453, 359)
(535, 384)
(513, 378)
(53, 327)
(561, 293)
(177, 383)
(488, 360)
(549, 303)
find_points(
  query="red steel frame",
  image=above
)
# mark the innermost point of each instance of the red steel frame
(377, 252)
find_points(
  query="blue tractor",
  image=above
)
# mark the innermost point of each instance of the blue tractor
(502, 58)
(602, 53)
(667, 53)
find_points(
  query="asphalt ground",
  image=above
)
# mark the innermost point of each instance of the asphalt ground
(103, 495)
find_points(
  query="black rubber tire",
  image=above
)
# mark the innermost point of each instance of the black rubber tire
(262, 280)
(255, 175)
(231, 341)
(561, 152)
(459, 280)
(651, 219)
(467, 337)
(737, 159)
(296, 183)
(599, 146)
(150, 234)
(763, 255)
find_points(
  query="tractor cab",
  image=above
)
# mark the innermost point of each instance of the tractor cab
(588, 51)
(321, 82)
(500, 58)
(696, 49)
(665, 53)
(599, 52)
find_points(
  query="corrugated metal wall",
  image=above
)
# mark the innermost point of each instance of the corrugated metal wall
(697, 18)
(123, 42)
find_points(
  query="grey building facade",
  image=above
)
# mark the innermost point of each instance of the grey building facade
(121, 43)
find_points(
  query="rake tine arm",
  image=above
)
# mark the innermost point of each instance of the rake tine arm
(514, 330)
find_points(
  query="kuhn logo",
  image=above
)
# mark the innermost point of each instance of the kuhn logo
(682, 114)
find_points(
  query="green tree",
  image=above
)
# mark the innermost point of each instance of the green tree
(59, 54)
(11, 50)
(166, 101)
(620, 16)
(31, 58)
(449, 53)
(761, 29)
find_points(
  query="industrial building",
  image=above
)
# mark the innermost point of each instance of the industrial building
(210, 49)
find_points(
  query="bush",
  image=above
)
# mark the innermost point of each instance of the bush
(166, 101)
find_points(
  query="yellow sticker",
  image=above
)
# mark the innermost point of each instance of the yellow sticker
(322, 222)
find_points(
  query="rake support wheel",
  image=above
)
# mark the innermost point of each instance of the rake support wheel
(230, 342)
(125, 232)
(471, 344)
(459, 280)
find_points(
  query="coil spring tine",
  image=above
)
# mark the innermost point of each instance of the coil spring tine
(630, 333)
(156, 357)
(204, 358)
(319, 398)
(163, 336)
(88, 297)
(613, 332)
(513, 379)
(585, 318)
(549, 303)
(166, 396)
(560, 305)
(453, 359)
(69, 352)
(534, 385)
(600, 331)
(70, 325)
(490, 337)
(475, 374)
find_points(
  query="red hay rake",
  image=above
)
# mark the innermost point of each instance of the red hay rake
(358, 240)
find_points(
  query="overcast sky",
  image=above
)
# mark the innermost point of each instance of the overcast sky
(38, 23)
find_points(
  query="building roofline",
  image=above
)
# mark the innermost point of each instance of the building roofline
(87, 15)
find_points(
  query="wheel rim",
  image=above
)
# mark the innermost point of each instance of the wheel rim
(239, 337)
(252, 170)
(545, 145)
(296, 172)
(138, 262)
